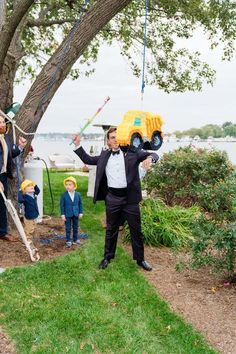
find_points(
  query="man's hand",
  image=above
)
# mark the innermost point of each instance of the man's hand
(22, 142)
(76, 139)
(146, 165)
(63, 217)
(1, 186)
(80, 216)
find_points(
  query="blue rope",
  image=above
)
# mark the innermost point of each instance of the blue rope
(46, 241)
(144, 50)
(62, 56)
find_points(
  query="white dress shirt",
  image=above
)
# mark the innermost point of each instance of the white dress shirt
(4, 153)
(115, 171)
(72, 195)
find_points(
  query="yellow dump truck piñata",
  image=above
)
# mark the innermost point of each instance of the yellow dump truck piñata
(140, 130)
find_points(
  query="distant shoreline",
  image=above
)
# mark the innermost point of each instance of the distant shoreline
(98, 137)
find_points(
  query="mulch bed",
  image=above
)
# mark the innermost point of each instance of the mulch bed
(49, 239)
(202, 299)
(197, 295)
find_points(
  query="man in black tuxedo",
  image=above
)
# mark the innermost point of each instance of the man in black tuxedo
(7, 152)
(117, 182)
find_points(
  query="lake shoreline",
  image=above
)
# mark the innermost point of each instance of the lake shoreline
(43, 148)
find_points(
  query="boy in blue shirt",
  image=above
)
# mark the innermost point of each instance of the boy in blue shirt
(28, 197)
(71, 210)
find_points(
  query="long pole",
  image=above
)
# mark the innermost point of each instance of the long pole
(89, 120)
(34, 256)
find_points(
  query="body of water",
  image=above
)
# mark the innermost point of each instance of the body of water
(45, 148)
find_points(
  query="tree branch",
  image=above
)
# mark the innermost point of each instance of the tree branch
(47, 23)
(9, 28)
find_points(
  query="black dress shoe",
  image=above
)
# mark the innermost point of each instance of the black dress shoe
(145, 265)
(104, 263)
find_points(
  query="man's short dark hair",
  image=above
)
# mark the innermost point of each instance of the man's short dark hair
(111, 130)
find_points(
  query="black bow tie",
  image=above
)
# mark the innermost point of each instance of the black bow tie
(115, 152)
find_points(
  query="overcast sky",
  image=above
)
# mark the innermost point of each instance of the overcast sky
(75, 101)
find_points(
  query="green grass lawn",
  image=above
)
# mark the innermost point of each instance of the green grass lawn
(69, 306)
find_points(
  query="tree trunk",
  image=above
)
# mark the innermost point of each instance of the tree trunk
(7, 81)
(57, 68)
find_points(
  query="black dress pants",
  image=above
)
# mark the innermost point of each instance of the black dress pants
(116, 209)
(3, 210)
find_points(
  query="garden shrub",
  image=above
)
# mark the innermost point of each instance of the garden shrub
(219, 199)
(190, 176)
(164, 225)
(214, 244)
(205, 178)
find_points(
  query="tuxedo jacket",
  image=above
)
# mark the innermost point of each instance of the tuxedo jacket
(69, 208)
(13, 151)
(31, 210)
(132, 161)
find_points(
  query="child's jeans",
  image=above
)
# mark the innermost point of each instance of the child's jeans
(72, 222)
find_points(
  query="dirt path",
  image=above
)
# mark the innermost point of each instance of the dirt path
(197, 296)
(6, 345)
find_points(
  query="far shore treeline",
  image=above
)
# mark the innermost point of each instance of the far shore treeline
(209, 130)
(228, 129)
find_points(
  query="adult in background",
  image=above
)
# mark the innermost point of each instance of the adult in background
(7, 152)
(117, 182)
